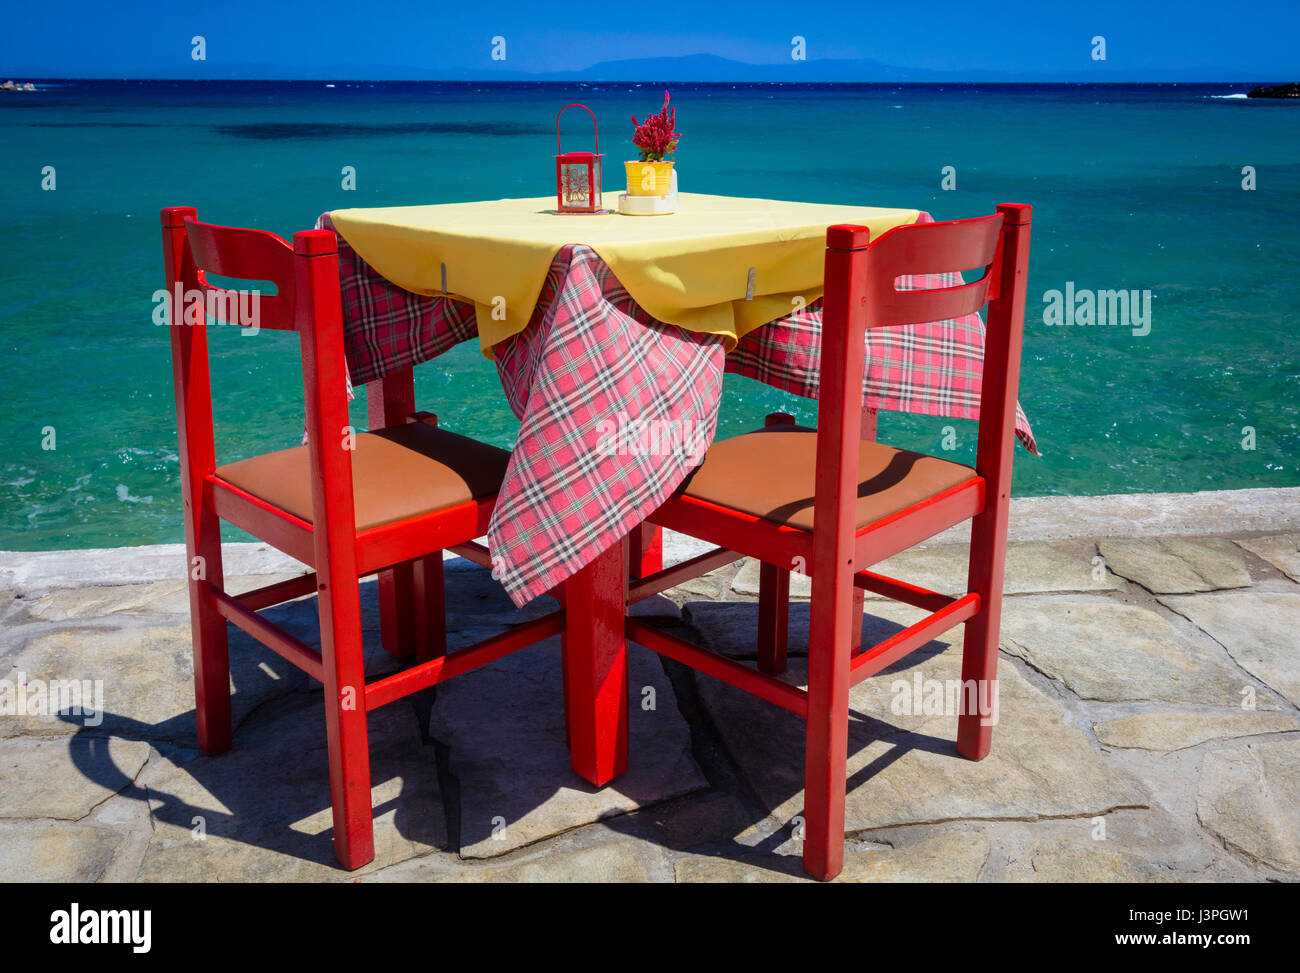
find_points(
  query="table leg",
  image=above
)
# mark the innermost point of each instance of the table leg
(869, 423)
(389, 401)
(595, 666)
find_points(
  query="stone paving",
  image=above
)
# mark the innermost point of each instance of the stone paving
(1148, 730)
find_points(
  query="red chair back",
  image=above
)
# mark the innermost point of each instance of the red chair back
(861, 292)
(307, 300)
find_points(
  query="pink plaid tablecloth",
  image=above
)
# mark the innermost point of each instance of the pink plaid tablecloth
(615, 407)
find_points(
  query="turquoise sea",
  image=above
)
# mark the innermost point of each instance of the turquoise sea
(1134, 187)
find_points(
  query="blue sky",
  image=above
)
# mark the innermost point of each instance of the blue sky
(1191, 40)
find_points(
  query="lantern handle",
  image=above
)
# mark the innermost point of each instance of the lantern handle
(594, 128)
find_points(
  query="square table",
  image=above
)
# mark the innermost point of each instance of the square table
(611, 335)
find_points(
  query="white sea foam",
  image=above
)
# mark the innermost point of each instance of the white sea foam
(124, 495)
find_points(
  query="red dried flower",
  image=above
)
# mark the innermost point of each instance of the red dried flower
(656, 137)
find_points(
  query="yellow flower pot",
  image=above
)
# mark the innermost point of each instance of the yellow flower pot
(649, 178)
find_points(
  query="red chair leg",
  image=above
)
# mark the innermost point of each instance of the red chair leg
(595, 644)
(979, 659)
(773, 596)
(397, 607)
(993, 459)
(208, 628)
(388, 403)
(855, 629)
(345, 723)
(773, 617)
(869, 424)
(430, 608)
(826, 748)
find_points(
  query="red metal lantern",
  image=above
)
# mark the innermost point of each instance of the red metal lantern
(577, 174)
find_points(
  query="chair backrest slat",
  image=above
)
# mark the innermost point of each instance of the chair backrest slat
(252, 255)
(930, 248)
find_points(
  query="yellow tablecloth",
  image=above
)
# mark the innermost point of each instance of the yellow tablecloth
(690, 269)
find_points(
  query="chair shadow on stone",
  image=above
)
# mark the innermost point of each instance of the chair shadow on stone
(497, 754)
(728, 718)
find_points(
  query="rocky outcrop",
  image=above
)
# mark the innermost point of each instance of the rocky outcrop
(1291, 90)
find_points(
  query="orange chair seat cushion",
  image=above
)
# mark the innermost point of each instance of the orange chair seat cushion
(397, 473)
(771, 473)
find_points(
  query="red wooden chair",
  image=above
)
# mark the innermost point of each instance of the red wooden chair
(346, 504)
(832, 502)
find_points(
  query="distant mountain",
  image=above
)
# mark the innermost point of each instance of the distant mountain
(711, 67)
(687, 68)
